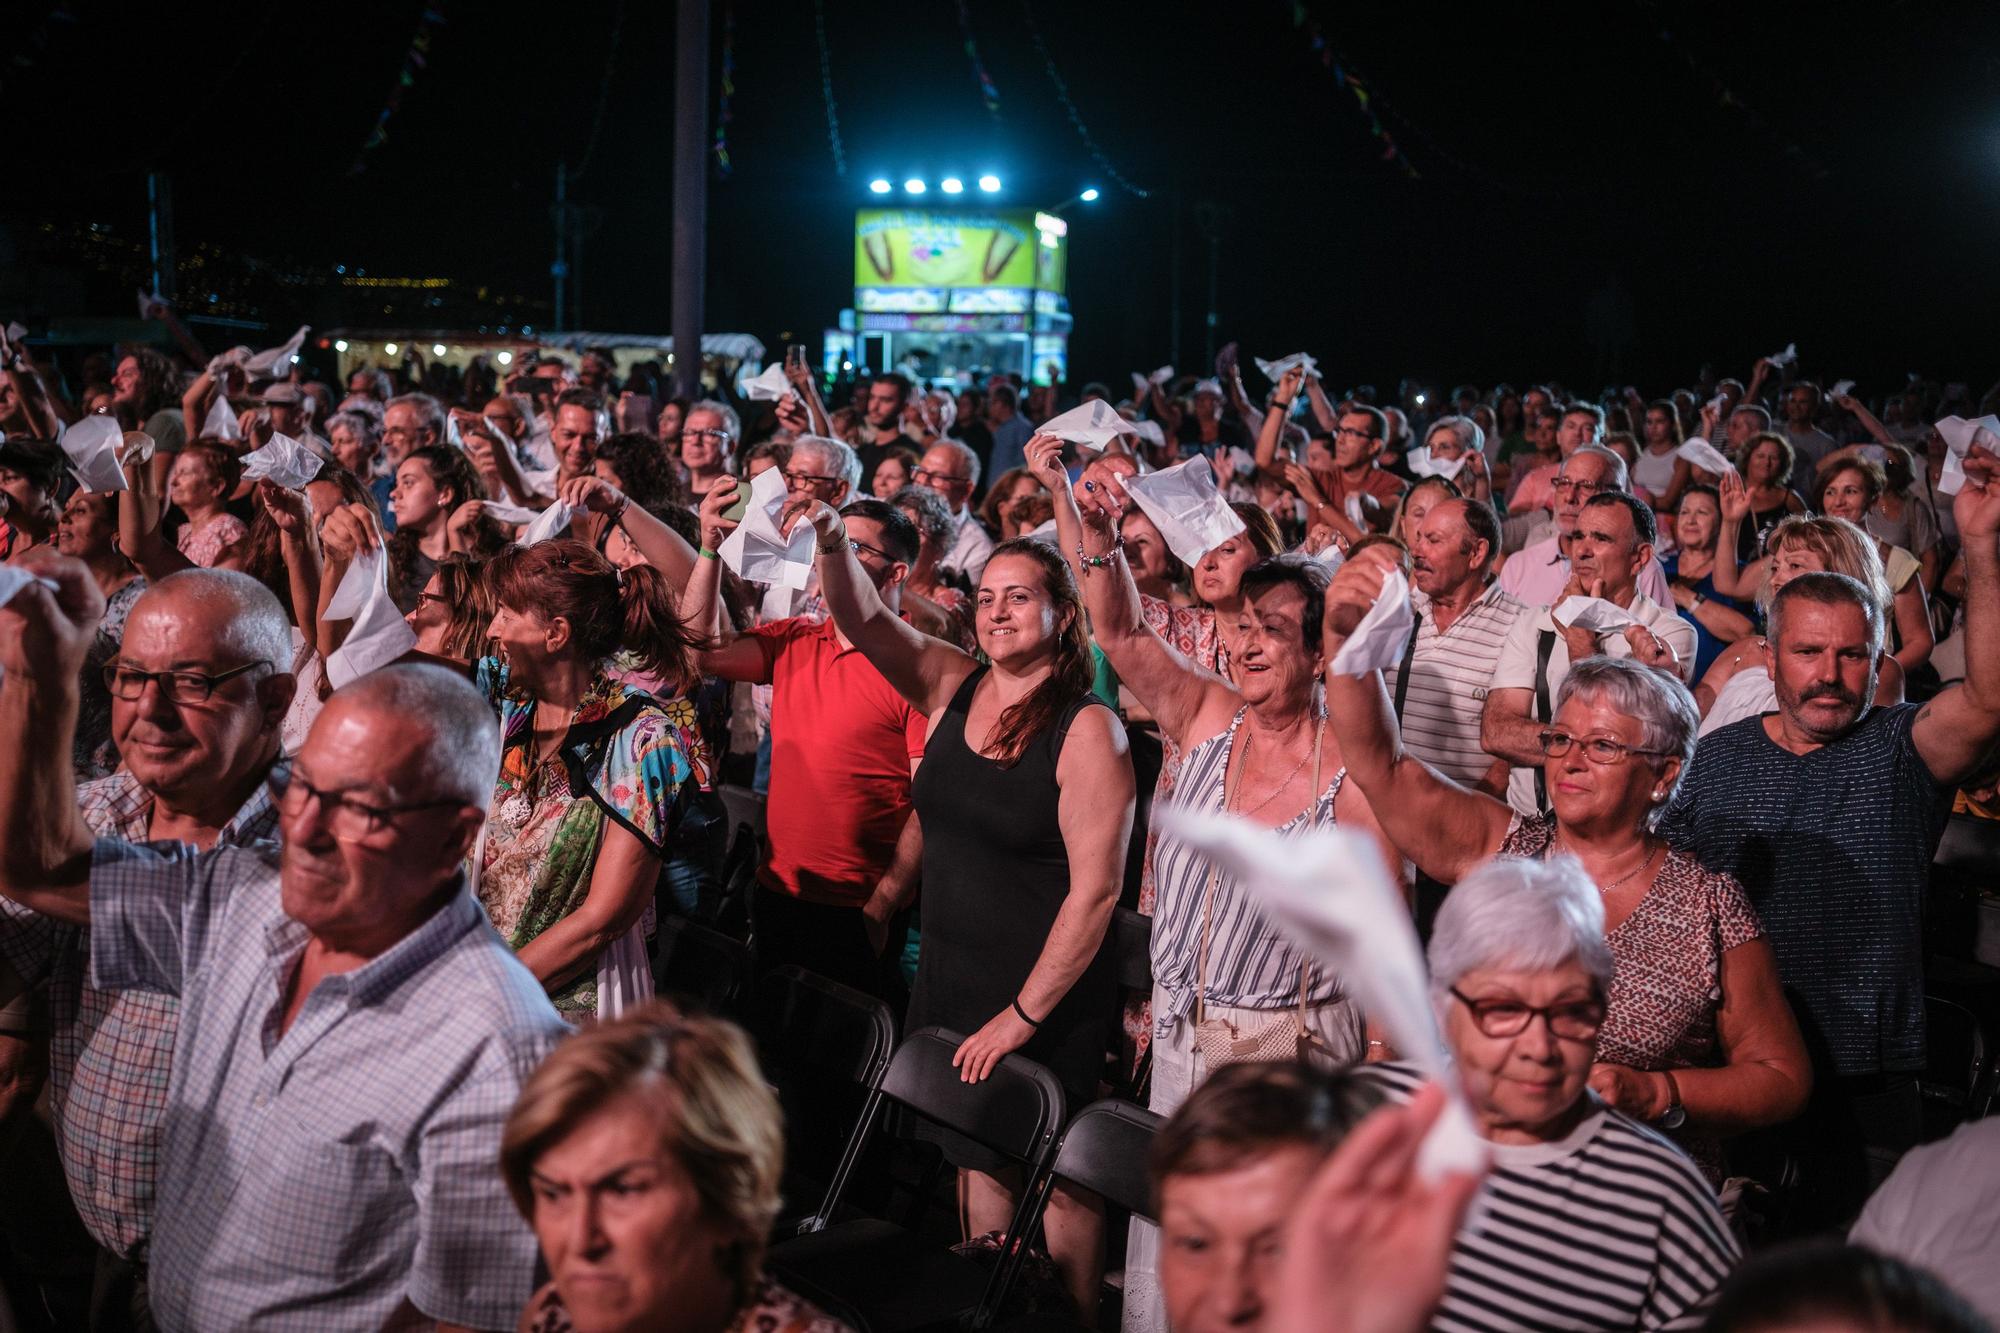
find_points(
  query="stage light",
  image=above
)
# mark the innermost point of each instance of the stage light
(1089, 196)
(952, 185)
(914, 186)
(878, 186)
(437, 349)
(1420, 400)
(990, 184)
(389, 349)
(505, 358)
(340, 345)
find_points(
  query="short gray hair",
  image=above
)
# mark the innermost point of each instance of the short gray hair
(1519, 915)
(1464, 429)
(730, 421)
(462, 759)
(363, 425)
(1824, 588)
(254, 624)
(430, 413)
(841, 459)
(1621, 476)
(965, 455)
(1668, 720)
(928, 511)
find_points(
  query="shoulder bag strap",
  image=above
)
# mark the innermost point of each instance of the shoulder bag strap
(1545, 644)
(1402, 671)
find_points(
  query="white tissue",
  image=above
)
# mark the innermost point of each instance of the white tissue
(1421, 464)
(1841, 389)
(1187, 507)
(551, 523)
(379, 634)
(221, 422)
(16, 332)
(1377, 643)
(137, 448)
(146, 302)
(1275, 370)
(1779, 360)
(502, 512)
(285, 461)
(1700, 453)
(1874, 453)
(1160, 376)
(1096, 424)
(1141, 386)
(276, 362)
(1715, 403)
(92, 446)
(13, 578)
(758, 550)
(228, 360)
(767, 386)
(1592, 613)
(1959, 435)
(1329, 891)
(1201, 387)
(1150, 432)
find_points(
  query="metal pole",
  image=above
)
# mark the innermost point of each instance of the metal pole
(560, 268)
(690, 192)
(160, 226)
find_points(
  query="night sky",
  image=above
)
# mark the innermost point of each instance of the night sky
(1619, 190)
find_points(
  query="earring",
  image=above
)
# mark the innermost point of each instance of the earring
(1658, 794)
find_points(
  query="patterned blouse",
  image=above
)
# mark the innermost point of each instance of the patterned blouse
(627, 756)
(772, 1309)
(1668, 983)
(203, 546)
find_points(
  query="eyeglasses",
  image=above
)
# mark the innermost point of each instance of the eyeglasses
(1576, 1020)
(1357, 434)
(719, 436)
(1564, 485)
(808, 479)
(183, 687)
(1598, 749)
(347, 819)
(876, 551)
(437, 597)
(924, 474)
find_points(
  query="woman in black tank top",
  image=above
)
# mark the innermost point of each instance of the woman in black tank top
(1025, 799)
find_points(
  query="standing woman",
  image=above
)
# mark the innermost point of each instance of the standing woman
(594, 774)
(1025, 796)
(89, 532)
(1766, 468)
(204, 477)
(436, 503)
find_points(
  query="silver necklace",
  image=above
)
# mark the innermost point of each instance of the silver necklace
(1277, 789)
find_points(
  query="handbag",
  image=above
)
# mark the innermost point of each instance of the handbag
(1282, 1036)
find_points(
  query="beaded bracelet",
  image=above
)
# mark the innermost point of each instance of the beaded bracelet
(1099, 561)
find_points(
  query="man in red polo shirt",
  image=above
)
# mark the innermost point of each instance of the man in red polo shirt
(844, 745)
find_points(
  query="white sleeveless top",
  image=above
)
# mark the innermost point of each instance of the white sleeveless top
(1748, 693)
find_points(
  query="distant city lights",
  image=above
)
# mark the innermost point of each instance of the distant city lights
(879, 186)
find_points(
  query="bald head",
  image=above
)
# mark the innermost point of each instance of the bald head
(457, 750)
(248, 622)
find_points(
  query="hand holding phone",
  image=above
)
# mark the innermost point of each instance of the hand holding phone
(740, 506)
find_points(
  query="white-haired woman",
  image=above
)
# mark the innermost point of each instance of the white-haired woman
(1593, 1221)
(1460, 440)
(1699, 1040)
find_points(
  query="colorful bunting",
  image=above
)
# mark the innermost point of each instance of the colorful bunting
(417, 57)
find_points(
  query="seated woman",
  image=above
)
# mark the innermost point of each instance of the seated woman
(997, 510)
(893, 471)
(1699, 1039)
(1851, 489)
(646, 1152)
(1738, 684)
(437, 503)
(1451, 439)
(454, 612)
(594, 775)
(1415, 504)
(204, 476)
(1764, 470)
(1718, 619)
(1596, 1223)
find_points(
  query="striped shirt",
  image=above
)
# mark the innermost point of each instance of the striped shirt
(110, 1051)
(1607, 1228)
(1250, 965)
(1449, 676)
(318, 1177)
(1834, 848)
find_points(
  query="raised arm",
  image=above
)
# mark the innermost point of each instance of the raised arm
(45, 636)
(1435, 822)
(724, 653)
(140, 511)
(924, 670)
(35, 403)
(1730, 578)
(299, 544)
(1173, 689)
(806, 383)
(493, 458)
(1273, 428)
(1955, 730)
(663, 548)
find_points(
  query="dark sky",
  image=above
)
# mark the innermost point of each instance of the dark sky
(1589, 203)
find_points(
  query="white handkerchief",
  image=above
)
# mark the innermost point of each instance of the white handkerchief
(757, 550)
(1161, 376)
(137, 448)
(1187, 507)
(1421, 464)
(1786, 357)
(92, 445)
(1275, 370)
(1328, 890)
(228, 360)
(1840, 389)
(221, 422)
(1141, 386)
(1150, 432)
(1592, 613)
(147, 302)
(1874, 453)
(1333, 558)
(1959, 435)
(1715, 403)
(13, 578)
(502, 512)
(1095, 424)
(379, 634)
(1201, 387)
(276, 362)
(552, 522)
(285, 461)
(1377, 643)
(1700, 453)
(769, 385)
(1242, 460)
(16, 332)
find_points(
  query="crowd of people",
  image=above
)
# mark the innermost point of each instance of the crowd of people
(355, 738)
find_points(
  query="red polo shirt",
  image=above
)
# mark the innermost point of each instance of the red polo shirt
(841, 744)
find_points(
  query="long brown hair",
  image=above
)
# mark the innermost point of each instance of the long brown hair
(450, 471)
(1070, 672)
(607, 610)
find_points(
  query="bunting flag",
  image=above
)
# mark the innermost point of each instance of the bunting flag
(1725, 96)
(1075, 117)
(826, 90)
(415, 60)
(722, 112)
(988, 93)
(1346, 76)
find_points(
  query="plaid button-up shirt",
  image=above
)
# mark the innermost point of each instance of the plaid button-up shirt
(318, 1177)
(109, 1051)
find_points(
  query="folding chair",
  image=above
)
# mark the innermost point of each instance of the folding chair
(1132, 952)
(704, 967)
(897, 1280)
(1955, 1084)
(1102, 1150)
(736, 880)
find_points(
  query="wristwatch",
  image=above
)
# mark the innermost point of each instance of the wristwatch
(1675, 1115)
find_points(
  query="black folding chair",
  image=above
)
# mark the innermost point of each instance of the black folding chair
(1102, 1150)
(703, 967)
(896, 1279)
(1132, 954)
(737, 879)
(1955, 1085)
(824, 1048)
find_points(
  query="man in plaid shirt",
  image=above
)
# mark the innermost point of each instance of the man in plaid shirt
(194, 773)
(353, 1031)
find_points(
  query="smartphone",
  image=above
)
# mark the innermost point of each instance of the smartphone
(741, 505)
(638, 413)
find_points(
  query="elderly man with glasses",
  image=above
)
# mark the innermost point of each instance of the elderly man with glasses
(708, 441)
(952, 470)
(353, 1032)
(1536, 573)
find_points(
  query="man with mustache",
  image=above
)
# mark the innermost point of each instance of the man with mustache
(1828, 812)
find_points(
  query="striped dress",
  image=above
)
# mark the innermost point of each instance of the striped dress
(1608, 1228)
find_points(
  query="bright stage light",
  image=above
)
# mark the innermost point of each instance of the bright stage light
(990, 184)
(952, 185)
(878, 186)
(505, 358)
(1089, 196)
(340, 345)
(437, 349)
(389, 349)
(914, 186)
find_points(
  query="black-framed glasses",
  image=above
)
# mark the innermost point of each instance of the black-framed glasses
(1598, 749)
(1564, 485)
(183, 687)
(437, 597)
(808, 479)
(924, 475)
(348, 819)
(1357, 434)
(1572, 1020)
(876, 551)
(720, 436)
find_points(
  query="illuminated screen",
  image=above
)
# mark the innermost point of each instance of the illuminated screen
(896, 247)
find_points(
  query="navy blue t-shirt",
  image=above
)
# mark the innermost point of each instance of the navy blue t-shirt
(1834, 848)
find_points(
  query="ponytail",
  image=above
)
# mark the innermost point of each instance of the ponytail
(607, 611)
(655, 637)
